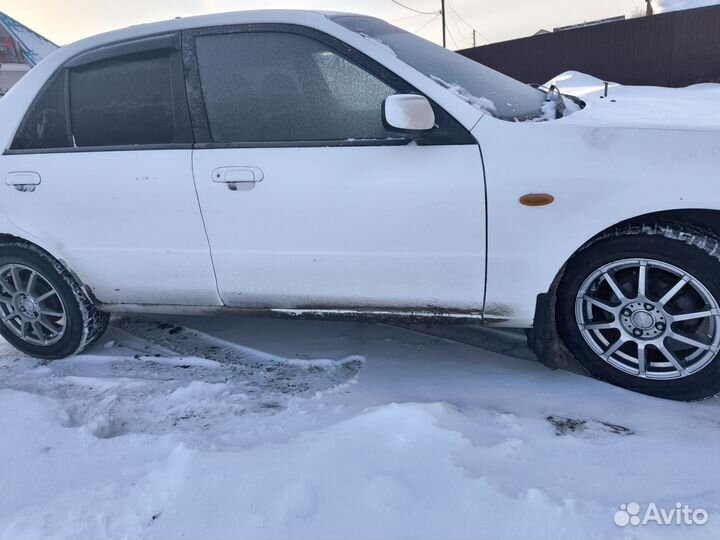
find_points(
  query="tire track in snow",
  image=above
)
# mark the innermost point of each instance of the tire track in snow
(162, 378)
(267, 372)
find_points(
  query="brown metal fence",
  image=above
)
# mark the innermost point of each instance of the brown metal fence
(670, 49)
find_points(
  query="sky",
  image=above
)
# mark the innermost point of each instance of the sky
(65, 21)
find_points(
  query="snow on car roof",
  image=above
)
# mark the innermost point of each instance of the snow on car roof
(215, 19)
(287, 16)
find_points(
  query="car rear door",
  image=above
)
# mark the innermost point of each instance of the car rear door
(309, 201)
(108, 147)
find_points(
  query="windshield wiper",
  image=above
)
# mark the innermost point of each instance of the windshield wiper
(554, 94)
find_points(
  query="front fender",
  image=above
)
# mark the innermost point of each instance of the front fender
(599, 177)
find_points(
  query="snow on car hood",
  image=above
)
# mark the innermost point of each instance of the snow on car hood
(695, 107)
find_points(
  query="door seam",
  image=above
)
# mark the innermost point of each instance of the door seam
(207, 236)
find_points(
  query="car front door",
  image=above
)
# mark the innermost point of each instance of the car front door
(309, 201)
(108, 147)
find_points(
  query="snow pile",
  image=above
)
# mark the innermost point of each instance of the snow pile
(245, 434)
(578, 84)
(663, 6)
(396, 471)
(696, 107)
(550, 110)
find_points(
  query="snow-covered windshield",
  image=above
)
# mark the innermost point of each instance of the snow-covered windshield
(482, 87)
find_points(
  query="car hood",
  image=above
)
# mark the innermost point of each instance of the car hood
(695, 107)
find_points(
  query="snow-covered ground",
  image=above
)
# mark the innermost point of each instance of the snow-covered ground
(260, 428)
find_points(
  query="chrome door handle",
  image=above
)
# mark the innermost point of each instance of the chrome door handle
(23, 180)
(237, 175)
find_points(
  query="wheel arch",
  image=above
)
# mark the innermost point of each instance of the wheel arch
(708, 219)
(543, 337)
(12, 238)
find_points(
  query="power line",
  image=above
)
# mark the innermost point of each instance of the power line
(445, 26)
(411, 17)
(427, 23)
(460, 17)
(458, 28)
(452, 38)
(452, 6)
(413, 9)
(463, 20)
(459, 31)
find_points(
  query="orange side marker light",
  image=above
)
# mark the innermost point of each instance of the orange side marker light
(537, 199)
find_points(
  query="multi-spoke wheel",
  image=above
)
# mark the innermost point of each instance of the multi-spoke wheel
(649, 318)
(641, 310)
(43, 311)
(30, 306)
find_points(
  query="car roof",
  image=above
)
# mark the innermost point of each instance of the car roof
(289, 16)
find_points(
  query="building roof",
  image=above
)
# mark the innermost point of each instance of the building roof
(590, 23)
(32, 45)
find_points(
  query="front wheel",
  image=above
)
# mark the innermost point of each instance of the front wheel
(43, 310)
(639, 308)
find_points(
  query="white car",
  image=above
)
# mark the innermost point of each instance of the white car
(332, 164)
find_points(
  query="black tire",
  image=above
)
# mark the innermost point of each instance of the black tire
(85, 323)
(691, 249)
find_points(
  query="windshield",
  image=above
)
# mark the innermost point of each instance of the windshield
(482, 87)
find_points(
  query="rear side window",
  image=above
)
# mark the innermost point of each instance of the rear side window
(45, 126)
(277, 87)
(129, 100)
(124, 101)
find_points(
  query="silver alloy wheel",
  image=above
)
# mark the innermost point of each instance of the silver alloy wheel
(649, 318)
(30, 306)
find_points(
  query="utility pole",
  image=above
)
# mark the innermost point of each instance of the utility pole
(474, 40)
(442, 11)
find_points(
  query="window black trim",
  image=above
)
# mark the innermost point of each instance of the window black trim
(68, 120)
(153, 43)
(88, 149)
(450, 132)
(397, 141)
(60, 72)
(167, 42)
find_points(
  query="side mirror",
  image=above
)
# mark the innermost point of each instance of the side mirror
(408, 112)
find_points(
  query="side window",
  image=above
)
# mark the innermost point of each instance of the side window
(45, 125)
(125, 101)
(129, 100)
(277, 87)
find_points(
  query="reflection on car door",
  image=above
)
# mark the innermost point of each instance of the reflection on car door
(110, 142)
(309, 201)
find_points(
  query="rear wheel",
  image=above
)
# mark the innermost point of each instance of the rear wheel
(640, 309)
(43, 310)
